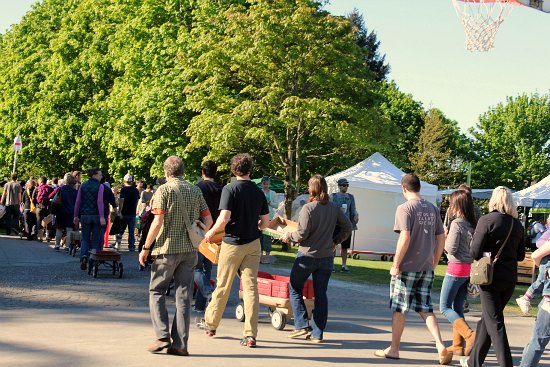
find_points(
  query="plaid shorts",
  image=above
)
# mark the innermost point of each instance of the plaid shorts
(412, 291)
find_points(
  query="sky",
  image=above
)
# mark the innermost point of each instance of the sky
(424, 44)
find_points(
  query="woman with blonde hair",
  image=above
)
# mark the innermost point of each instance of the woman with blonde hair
(317, 239)
(499, 228)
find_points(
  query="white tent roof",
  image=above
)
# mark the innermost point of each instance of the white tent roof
(540, 190)
(376, 173)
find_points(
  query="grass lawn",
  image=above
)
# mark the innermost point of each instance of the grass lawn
(377, 272)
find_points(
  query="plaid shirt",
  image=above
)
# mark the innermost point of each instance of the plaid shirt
(173, 237)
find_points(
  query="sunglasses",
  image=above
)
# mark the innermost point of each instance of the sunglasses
(345, 185)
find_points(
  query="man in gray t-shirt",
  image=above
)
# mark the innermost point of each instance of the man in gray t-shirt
(419, 247)
(11, 198)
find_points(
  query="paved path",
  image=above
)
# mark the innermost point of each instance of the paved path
(54, 314)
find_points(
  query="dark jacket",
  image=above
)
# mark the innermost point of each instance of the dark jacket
(490, 232)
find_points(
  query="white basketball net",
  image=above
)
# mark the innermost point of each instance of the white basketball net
(481, 20)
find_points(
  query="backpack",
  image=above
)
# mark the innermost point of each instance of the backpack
(43, 195)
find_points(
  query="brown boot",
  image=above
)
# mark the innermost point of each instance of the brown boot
(457, 347)
(468, 334)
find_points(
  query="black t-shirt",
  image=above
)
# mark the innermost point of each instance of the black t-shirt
(212, 192)
(131, 196)
(246, 202)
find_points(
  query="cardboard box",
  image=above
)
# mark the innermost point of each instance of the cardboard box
(211, 250)
(278, 225)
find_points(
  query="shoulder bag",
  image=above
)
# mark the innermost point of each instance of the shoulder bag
(481, 272)
(195, 230)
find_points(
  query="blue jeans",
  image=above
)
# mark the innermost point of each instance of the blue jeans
(266, 242)
(130, 222)
(453, 295)
(540, 284)
(92, 234)
(320, 270)
(202, 274)
(541, 336)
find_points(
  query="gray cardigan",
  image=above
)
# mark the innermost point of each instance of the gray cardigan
(457, 244)
(316, 229)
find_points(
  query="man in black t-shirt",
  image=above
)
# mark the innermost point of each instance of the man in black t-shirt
(128, 200)
(211, 191)
(242, 205)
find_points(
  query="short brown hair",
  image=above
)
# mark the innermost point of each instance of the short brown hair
(411, 182)
(241, 164)
(318, 189)
(173, 166)
(14, 176)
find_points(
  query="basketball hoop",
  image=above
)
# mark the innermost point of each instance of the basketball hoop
(481, 19)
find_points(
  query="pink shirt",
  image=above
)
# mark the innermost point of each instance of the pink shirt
(459, 270)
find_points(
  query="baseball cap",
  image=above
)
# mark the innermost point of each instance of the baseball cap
(343, 181)
(128, 177)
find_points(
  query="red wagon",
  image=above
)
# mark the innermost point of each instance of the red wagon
(274, 294)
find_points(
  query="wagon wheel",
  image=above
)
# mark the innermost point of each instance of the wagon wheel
(96, 268)
(239, 312)
(115, 267)
(383, 258)
(355, 256)
(278, 320)
(120, 270)
(90, 265)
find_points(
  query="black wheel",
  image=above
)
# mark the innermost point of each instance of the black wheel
(90, 265)
(384, 258)
(115, 266)
(356, 256)
(120, 270)
(390, 258)
(239, 312)
(96, 268)
(278, 320)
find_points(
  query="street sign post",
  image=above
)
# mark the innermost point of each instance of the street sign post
(17, 145)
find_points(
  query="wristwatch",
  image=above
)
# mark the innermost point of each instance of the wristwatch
(145, 248)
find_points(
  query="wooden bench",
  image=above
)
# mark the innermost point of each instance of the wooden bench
(527, 270)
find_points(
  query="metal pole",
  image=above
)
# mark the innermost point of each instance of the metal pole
(469, 179)
(14, 161)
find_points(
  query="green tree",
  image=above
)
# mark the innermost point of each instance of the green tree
(433, 161)
(284, 80)
(407, 115)
(368, 41)
(512, 142)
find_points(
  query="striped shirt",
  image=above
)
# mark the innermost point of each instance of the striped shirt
(173, 237)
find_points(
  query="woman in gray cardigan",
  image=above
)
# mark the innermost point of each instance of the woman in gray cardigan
(457, 277)
(317, 238)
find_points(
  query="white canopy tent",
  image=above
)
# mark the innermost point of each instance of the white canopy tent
(540, 190)
(376, 185)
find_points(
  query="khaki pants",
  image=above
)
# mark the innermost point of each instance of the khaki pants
(245, 258)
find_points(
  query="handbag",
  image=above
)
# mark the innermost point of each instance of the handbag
(57, 200)
(481, 272)
(195, 230)
(31, 202)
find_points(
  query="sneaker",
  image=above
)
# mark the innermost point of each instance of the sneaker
(314, 339)
(209, 331)
(83, 263)
(201, 324)
(345, 269)
(297, 333)
(524, 305)
(249, 341)
(464, 361)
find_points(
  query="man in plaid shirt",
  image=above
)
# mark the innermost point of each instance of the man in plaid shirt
(175, 256)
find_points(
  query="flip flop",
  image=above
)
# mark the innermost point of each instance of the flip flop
(382, 354)
(445, 357)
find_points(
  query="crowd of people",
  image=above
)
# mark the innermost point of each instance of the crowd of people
(241, 210)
